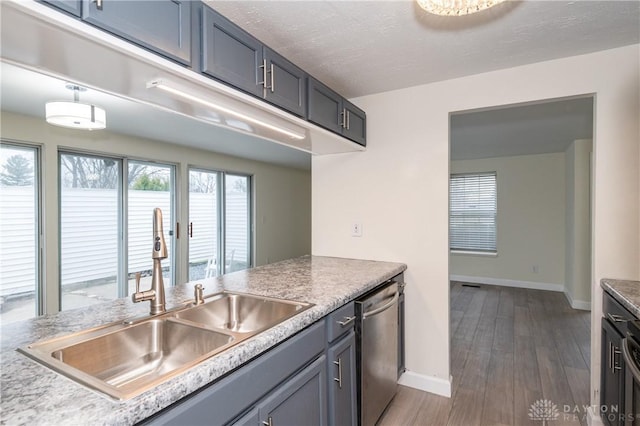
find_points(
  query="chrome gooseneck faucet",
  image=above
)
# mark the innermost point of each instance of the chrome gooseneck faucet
(156, 293)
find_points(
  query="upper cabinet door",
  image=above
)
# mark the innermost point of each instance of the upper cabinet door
(354, 123)
(163, 26)
(230, 54)
(73, 7)
(285, 83)
(325, 106)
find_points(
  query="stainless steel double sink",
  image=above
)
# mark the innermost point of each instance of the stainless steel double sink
(126, 358)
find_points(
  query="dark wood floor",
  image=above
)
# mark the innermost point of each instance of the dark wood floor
(510, 347)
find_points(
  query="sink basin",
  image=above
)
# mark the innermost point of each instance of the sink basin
(241, 313)
(124, 359)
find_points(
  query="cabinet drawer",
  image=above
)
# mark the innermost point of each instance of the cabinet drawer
(340, 321)
(616, 313)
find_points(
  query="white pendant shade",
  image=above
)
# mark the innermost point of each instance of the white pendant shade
(76, 115)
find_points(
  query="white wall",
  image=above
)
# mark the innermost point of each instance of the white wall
(578, 224)
(398, 188)
(282, 195)
(531, 223)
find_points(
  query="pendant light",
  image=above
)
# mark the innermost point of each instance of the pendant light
(456, 7)
(74, 114)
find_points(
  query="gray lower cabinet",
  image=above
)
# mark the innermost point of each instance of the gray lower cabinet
(163, 26)
(328, 109)
(341, 361)
(300, 401)
(235, 57)
(235, 397)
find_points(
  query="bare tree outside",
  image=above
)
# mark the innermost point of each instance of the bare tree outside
(202, 182)
(102, 173)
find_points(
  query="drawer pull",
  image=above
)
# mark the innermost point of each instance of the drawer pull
(346, 321)
(616, 318)
(269, 422)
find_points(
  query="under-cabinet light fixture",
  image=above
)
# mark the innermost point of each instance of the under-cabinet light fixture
(159, 84)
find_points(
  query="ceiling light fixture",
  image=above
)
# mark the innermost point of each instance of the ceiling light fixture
(74, 114)
(456, 7)
(159, 84)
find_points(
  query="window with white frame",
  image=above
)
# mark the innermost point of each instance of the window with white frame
(472, 212)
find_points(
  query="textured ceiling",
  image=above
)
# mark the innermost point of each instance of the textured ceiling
(521, 130)
(365, 47)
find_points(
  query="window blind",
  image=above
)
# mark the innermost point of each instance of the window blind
(472, 212)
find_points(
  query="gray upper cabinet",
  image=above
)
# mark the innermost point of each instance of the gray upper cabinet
(325, 106)
(285, 83)
(163, 26)
(331, 111)
(230, 54)
(354, 123)
(233, 56)
(73, 7)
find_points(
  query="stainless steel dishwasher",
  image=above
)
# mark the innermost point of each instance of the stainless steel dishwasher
(377, 351)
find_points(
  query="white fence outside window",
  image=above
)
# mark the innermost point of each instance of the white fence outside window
(92, 233)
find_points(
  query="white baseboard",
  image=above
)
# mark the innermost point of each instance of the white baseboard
(583, 305)
(593, 418)
(508, 283)
(426, 383)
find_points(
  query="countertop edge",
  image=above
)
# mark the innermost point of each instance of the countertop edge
(627, 292)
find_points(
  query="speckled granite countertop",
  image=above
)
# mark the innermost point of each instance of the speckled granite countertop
(624, 291)
(32, 394)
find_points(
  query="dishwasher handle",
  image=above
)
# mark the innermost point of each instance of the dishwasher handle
(382, 308)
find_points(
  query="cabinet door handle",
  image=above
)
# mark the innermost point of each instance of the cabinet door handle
(346, 321)
(264, 74)
(98, 4)
(339, 378)
(269, 422)
(615, 351)
(610, 356)
(348, 118)
(616, 318)
(343, 118)
(273, 80)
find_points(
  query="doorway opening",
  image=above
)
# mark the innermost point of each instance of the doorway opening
(520, 259)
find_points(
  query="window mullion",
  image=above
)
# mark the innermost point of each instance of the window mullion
(123, 231)
(221, 224)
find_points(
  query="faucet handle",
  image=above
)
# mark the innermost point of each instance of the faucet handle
(138, 275)
(198, 294)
